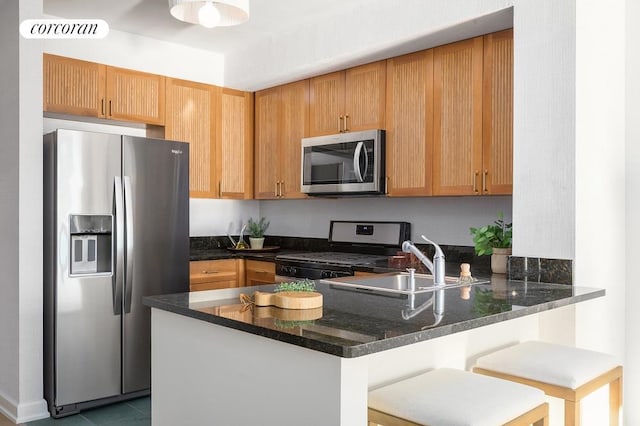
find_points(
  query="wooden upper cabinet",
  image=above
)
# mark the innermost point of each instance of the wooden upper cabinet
(457, 153)
(294, 123)
(365, 97)
(282, 120)
(497, 132)
(135, 96)
(267, 143)
(409, 144)
(235, 166)
(191, 117)
(326, 104)
(73, 87)
(348, 100)
(89, 89)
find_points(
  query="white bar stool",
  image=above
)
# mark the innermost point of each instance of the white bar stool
(560, 371)
(448, 397)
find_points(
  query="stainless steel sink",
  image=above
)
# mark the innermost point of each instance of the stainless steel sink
(392, 283)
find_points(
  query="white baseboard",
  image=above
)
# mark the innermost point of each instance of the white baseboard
(25, 412)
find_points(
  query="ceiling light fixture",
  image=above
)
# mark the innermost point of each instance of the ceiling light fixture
(210, 13)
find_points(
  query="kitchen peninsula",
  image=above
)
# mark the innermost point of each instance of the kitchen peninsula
(221, 362)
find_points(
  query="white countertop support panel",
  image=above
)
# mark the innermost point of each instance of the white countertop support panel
(204, 373)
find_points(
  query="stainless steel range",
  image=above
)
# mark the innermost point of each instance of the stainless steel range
(352, 243)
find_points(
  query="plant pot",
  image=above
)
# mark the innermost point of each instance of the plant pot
(499, 260)
(256, 243)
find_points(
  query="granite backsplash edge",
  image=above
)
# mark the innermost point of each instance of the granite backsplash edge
(518, 268)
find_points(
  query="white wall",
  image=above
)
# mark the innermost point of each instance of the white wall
(21, 212)
(632, 127)
(219, 217)
(9, 208)
(600, 170)
(362, 31)
(544, 129)
(443, 219)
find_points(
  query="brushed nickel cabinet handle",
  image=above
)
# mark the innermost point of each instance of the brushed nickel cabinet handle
(484, 181)
(340, 124)
(475, 182)
(209, 272)
(110, 108)
(346, 126)
(276, 190)
(102, 106)
(281, 185)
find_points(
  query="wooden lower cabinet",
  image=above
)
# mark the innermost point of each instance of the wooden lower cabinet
(259, 272)
(363, 274)
(216, 274)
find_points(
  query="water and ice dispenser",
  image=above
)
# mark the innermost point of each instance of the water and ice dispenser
(90, 244)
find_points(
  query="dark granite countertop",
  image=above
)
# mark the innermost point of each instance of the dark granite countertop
(220, 253)
(352, 324)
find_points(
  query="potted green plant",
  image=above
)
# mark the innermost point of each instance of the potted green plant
(256, 232)
(494, 239)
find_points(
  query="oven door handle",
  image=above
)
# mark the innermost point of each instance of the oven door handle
(356, 161)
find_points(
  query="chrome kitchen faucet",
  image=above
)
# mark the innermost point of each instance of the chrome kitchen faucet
(436, 267)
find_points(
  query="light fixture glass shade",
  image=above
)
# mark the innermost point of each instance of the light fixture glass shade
(232, 12)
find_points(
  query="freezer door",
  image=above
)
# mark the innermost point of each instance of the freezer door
(156, 193)
(87, 341)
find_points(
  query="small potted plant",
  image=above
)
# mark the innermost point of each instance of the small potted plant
(256, 232)
(494, 239)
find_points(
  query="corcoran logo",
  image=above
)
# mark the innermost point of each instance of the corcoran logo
(176, 151)
(64, 28)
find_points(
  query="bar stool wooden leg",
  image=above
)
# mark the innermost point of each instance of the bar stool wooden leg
(572, 413)
(615, 401)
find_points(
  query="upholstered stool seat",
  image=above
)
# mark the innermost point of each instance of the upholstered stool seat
(561, 371)
(448, 397)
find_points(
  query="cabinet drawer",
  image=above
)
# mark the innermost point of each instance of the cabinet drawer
(213, 274)
(363, 274)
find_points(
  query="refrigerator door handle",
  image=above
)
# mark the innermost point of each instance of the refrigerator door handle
(128, 205)
(118, 279)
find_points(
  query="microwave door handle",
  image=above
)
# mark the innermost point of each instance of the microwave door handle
(356, 161)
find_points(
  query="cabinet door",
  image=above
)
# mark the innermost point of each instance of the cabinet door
(258, 272)
(457, 153)
(267, 143)
(135, 96)
(365, 97)
(294, 127)
(236, 145)
(191, 118)
(498, 113)
(409, 124)
(73, 87)
(326, 104)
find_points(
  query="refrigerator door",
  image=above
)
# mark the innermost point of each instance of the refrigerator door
(87, 325)
(156, 193)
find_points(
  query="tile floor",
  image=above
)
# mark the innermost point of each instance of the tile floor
(136, 412)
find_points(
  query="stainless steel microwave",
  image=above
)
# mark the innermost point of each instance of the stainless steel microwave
(348, 163)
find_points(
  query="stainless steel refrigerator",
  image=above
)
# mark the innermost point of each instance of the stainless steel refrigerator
(116, 229)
